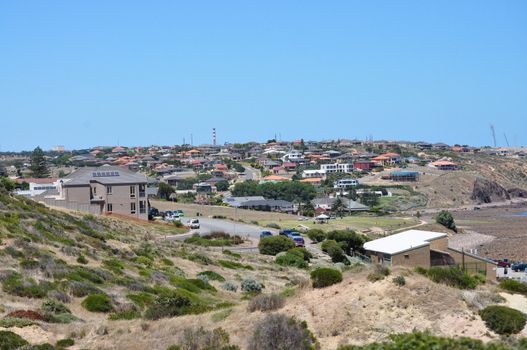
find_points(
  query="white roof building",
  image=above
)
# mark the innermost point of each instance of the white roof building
(404, 241)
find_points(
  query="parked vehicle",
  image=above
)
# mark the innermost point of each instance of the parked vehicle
(299, 241)
(503, 263)
(286, 231)
(264, 234)
(152, 213)
(520, 267)
(193, 224)
(179, 213)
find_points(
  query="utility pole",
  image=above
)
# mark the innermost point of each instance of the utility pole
(492, 129)
(506, 140)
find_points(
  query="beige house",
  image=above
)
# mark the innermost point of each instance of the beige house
(113, 190)
(415, 248)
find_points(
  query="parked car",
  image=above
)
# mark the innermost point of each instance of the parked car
(299, 241)
(503, 263)
(294, 234)
(520, 267)
(179, 213)
(152, 213)
(193, 224)
(286, 231)
(264, 234)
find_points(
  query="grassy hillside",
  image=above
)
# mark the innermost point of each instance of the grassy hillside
(87, 282)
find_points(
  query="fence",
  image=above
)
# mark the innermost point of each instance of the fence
(88, 208)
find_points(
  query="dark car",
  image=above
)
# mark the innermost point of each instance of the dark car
(519, 267)
(264, 234)
(503, 263)
(152, 212)
(299, 241)
(286, 232)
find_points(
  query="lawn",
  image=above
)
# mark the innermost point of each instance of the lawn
(357, 223)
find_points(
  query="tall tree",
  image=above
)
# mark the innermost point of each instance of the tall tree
(38, 163)
(338, 207)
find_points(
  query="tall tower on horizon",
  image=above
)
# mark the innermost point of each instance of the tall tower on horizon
(214, 136)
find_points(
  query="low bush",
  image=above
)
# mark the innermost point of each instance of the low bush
(275, 244)
(379, 274)
(229, 286)
(15, 284)
(81, 259)
(232, 254)
(81, 289)
(281, 332)
(213, 276)
(250, 285)
(215, 239)
(316, 235)
(273, 225)
(201, 339)
(171, 303)
(425, 341)
(65, 343)
(291, 259)
(452, 276)
(349, 240)
(324, 277)
(399, 281)
(141, 299)
(124, 315)
(302, 252)
(97, 303)
(503, 319)
(8, 322)
(11, 341)
(234, 265)
(266, 302)
(513, 286)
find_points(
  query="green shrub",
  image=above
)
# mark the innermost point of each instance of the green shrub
(399, 281)
(302, 252)
(201, 339)
(349, 240)
(231, 253)
(250, 285)
(452, 276)
(324, 277)
(82, 289)
(335, 251)
(281, 332)
(275, 244)
(234, 265)
(211, 275)
(513, 286)
(173, 304)
(15, 284)
(503, 319)
(266, 302)
(425, 341)
(97, 303)
(229, 286)
(124, 315)
(446, 219)
(273, 225)
(8, 322)
(316, 235)
(141, 299)
(291, 259)
(81, 259)
(11, 341)
(65, 343)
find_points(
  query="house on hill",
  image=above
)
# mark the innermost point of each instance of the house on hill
(416, 248)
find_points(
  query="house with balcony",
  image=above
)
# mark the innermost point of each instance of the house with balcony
(107, 189)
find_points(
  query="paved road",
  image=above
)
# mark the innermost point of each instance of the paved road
(208, 225)
(251, 173)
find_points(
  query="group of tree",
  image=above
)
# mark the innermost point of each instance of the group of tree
(292, 191)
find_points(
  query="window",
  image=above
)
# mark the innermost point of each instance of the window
(109, 189)
(142, 190)
(142, 207)
(95, 190)
(109, 207)
(132, 208)
(406, 256)
(132, 192)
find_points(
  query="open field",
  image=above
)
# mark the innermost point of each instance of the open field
(364, 223)
(494, 232)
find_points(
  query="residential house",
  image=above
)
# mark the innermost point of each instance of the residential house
(113, 190)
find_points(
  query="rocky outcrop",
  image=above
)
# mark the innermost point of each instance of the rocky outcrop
(517, 193)
(487, 191)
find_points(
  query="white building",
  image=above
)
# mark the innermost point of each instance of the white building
(345, 183)
(337, 168)
(309, 174)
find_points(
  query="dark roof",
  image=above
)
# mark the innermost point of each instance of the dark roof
(106, 175)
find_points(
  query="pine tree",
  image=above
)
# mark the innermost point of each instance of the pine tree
(38, 163)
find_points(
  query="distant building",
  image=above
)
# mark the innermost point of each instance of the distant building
(345, 183)
(113, 190)
(404, 176)
(444, 165)
(336, 168)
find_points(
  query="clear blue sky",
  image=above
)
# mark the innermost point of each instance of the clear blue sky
(86, 73)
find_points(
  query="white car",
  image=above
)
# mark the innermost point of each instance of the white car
(193, 224)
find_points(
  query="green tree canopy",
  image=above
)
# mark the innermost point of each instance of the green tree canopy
(38, 163)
